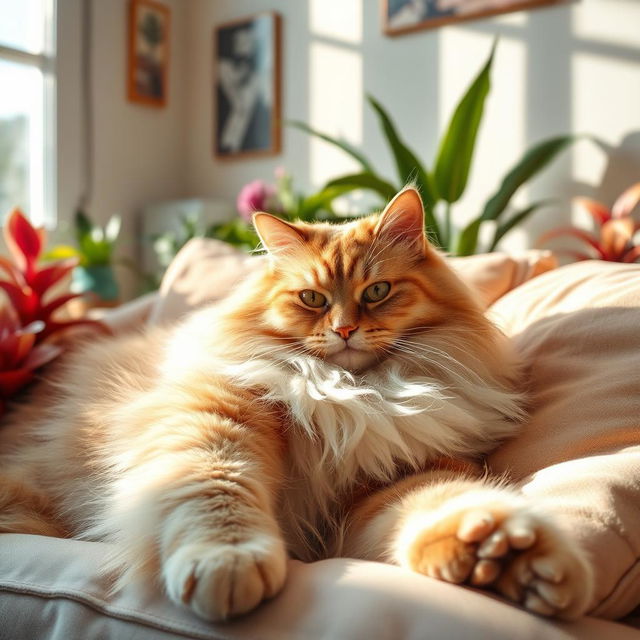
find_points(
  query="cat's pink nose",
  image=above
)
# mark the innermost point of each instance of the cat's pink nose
(346, 331)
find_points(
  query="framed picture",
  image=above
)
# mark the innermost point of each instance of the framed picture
(149, 32)
(404, 16)
(247, 59)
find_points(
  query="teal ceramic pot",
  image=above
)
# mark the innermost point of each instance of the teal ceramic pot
(99, 280)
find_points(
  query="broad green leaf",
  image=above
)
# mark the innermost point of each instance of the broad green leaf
(515, 220)
(467, 242)
(364, 181)
(451, 170)
(341, 144)
(409, 167)
(308, 207)
(533, 161)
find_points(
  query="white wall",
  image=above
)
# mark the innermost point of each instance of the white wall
(574, 67)
(567, 68)
(138, 151)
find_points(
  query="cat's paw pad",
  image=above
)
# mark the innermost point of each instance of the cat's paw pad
(446, 547)
(543, 571)
(219, 581)
(523, 555)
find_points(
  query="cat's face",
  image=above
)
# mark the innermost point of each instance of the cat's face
(358, 293)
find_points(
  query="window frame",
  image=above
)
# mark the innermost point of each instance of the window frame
(45, 62)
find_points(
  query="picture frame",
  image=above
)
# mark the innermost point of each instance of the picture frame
(149, 51)
(406, 16)
(247, 56)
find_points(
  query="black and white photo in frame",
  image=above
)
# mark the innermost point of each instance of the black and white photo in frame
(247, 87)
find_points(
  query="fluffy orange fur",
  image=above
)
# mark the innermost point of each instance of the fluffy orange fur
(307, 416)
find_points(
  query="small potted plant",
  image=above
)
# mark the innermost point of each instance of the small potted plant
(94, 277)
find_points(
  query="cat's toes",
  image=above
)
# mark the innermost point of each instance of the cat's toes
(446, 548)
(219, 581)
(548, 576)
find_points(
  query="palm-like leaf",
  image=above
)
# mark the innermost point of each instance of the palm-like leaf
(453, 162)
(345, 146)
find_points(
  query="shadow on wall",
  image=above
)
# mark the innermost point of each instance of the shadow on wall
(580, 66)
(574, 65)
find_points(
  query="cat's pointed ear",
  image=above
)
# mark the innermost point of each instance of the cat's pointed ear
(403, 220)
(276, 234)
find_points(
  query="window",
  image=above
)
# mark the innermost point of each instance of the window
(27, 108)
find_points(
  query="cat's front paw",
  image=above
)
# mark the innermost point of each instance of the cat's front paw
(541, 568)
(505, 545)
(219, 581)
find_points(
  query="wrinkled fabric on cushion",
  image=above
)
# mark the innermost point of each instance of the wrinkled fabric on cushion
(51, 589)
(578, 329)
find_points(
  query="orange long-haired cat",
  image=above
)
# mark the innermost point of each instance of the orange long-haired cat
(333, 406)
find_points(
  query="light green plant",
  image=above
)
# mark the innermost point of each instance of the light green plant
(444, 185)
(96, 244)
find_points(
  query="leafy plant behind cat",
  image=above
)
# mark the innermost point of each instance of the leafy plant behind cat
(447, 182)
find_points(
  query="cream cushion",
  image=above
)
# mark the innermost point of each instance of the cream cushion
(578, 329)
(52, 589)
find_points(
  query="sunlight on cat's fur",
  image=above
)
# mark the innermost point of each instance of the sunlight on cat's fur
(335, 405)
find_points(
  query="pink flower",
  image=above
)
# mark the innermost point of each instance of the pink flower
(256, 196)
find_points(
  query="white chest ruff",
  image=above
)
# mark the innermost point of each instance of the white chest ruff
(346, 427)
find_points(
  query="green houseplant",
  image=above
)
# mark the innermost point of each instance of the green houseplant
(94, 276)
(443, 185)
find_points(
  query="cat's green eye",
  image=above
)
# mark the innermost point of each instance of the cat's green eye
(313, 298)
(376, 292)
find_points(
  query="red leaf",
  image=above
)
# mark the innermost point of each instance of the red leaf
(56, 303)
(616, 237)
(576, 233)
(47, 277)
(24, 345)
(9, 321)
(23, 240)
(12, 381)
(597, 210)
(15, 275)
(42, 354)
(23, 300)
(57, 327)
(632, 255)
(627, 202)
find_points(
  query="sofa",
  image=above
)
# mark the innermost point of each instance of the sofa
(578, 328)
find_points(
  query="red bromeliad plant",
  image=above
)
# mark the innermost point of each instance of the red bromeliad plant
(29, 286)
(616, 227)
(27, 322)
(19, 354)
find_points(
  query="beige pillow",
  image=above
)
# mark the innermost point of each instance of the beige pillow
(578, 328)
(206, 271)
